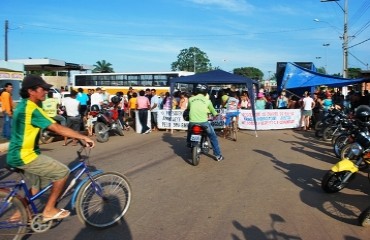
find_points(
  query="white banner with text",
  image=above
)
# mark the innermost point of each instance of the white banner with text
(266, 119)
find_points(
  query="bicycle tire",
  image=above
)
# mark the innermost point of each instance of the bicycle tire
(235, 131)
(12, 229)
(104, 212)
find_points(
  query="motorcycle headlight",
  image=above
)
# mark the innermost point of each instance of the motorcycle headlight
(355, 151)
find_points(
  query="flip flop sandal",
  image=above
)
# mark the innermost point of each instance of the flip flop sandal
(57, 216)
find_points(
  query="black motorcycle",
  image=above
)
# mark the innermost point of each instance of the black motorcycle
(198, 142)
(348, 136)
(331, 118)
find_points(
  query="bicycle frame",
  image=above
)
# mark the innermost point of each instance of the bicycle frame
(17, 186)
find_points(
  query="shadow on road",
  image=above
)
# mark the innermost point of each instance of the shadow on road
(178, 144)
(119, 231)
(253, 232)
(341, 206)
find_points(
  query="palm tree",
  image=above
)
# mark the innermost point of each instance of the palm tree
(103, 67)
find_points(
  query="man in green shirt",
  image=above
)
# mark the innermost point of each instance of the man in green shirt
(24, 152)
(199, 106)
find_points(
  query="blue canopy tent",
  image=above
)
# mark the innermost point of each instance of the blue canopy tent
(220, 77)
(299, 77)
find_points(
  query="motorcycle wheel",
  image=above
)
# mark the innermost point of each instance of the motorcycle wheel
(339, 144)
(364, 218)
(319, 125)
(119, 129)
(45, 138)
(331, 179)
(335, 136)
(195, 151)
(101, 132)
(318, 133)
(327, 134)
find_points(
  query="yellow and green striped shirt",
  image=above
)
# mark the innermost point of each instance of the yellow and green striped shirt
(28, 119)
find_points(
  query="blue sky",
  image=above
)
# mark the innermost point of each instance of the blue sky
(148, 35)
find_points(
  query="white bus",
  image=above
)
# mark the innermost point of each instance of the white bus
(115, 82)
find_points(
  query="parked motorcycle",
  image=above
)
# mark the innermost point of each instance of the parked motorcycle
(105, 120)
(357, 157)
(348, 136)
(199, 142)
(46, 136)
(326, 127)
(335, 128)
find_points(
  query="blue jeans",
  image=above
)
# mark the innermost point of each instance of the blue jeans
(7, 125)
(229, 116)
(211, 134)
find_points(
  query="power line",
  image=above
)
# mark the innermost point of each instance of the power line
(359, 43)
(100, 34)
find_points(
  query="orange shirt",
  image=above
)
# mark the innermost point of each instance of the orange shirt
(7, 102)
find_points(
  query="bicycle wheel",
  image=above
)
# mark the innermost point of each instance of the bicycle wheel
(234, 130)
(13, 218)
(103, 202)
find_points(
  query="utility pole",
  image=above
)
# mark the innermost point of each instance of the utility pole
(345, 40)
(6, 40)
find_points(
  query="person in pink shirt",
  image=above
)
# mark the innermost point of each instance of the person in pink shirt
(143, 105)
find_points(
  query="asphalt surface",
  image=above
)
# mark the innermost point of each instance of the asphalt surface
(268, 187)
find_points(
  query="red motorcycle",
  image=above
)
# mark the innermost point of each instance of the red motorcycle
(105, 120)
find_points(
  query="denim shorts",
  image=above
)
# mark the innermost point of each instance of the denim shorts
(44, 170)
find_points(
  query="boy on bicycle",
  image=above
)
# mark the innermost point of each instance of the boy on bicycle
(232, 110)
(24, 152)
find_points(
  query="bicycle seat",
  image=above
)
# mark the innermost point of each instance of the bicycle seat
(13, 169)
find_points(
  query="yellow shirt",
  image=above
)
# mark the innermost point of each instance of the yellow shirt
(132, 103)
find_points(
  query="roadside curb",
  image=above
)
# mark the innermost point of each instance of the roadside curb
(4, 147)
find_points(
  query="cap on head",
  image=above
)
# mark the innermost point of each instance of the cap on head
(32, 81)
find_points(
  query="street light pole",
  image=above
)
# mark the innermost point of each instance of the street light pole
(326, 56)
(345, 35)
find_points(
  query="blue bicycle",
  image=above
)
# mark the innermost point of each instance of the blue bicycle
(100, 199)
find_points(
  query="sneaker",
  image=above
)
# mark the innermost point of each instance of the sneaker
(147, 131)
(219, 158)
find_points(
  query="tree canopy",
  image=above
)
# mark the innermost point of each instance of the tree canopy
(103, 67)
(251, 72)
(192, 60)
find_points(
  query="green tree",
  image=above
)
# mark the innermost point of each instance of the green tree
(251, 72)
(321, 70)
(354, 72)
(192, 60)
(103, 67)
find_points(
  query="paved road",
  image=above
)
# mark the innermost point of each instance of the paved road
(266, 188)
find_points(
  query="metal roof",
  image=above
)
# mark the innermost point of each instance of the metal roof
(46, 64)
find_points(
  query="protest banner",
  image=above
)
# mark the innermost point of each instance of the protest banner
(266, 119)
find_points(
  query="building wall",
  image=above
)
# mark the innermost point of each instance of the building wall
(56, 81)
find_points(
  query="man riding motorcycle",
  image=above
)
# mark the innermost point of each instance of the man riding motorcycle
(199, 106)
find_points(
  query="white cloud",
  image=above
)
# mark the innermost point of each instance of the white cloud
(230, 5)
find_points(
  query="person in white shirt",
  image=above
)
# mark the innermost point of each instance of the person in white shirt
(307, 105)
(97, 98)
(154, 106)
(72, 106)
